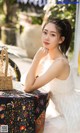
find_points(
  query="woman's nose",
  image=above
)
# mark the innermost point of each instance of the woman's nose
(47, 37)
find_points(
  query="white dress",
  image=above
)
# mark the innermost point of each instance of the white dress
(67, 104)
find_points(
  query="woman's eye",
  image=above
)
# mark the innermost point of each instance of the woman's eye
(45, 32)
(52, 34)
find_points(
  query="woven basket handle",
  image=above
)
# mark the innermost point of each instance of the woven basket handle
(4, 52)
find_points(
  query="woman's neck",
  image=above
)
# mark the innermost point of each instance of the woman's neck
(53, 54)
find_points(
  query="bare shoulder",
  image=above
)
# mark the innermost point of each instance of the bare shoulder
(64, 62)
(61, 62)
(62, 67)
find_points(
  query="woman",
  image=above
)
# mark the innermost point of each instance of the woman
(55, 74)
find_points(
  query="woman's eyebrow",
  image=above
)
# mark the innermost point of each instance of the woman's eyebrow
(53, 31)
(50, 31)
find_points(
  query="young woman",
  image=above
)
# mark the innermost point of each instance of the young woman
(50, 69)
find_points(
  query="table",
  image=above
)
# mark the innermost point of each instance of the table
(22, 112)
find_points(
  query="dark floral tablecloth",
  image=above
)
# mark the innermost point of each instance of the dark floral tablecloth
(22, 112)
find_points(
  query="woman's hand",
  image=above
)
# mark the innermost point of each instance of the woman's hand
(42, 52)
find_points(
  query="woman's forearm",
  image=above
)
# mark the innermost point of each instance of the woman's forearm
(31, 76)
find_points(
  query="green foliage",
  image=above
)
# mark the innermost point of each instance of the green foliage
(37, 20)
(1, 1)
(10, 1)
(13, 1)
(65, 11)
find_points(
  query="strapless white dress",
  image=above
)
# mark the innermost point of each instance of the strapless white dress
(67, 105)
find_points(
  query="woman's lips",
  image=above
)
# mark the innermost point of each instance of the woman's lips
(46, 43)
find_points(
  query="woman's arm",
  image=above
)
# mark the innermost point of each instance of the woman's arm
(31, 76)
(54, 71)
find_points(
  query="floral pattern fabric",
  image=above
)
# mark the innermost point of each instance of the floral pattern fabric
(22, 111)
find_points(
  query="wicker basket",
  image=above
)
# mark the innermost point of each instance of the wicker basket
(5, 79)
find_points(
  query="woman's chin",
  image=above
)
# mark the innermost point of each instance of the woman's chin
(45, 46)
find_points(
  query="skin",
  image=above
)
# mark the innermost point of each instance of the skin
(51, 39)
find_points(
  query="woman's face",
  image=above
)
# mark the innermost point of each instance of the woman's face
(51, 37)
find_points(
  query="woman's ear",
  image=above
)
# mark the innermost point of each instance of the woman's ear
(61, 39)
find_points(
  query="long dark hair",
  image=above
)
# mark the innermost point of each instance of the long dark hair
(64, 28)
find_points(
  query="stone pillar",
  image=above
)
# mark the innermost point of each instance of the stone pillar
(77, 36)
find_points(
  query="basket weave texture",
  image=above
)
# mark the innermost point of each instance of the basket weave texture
(5, 79)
